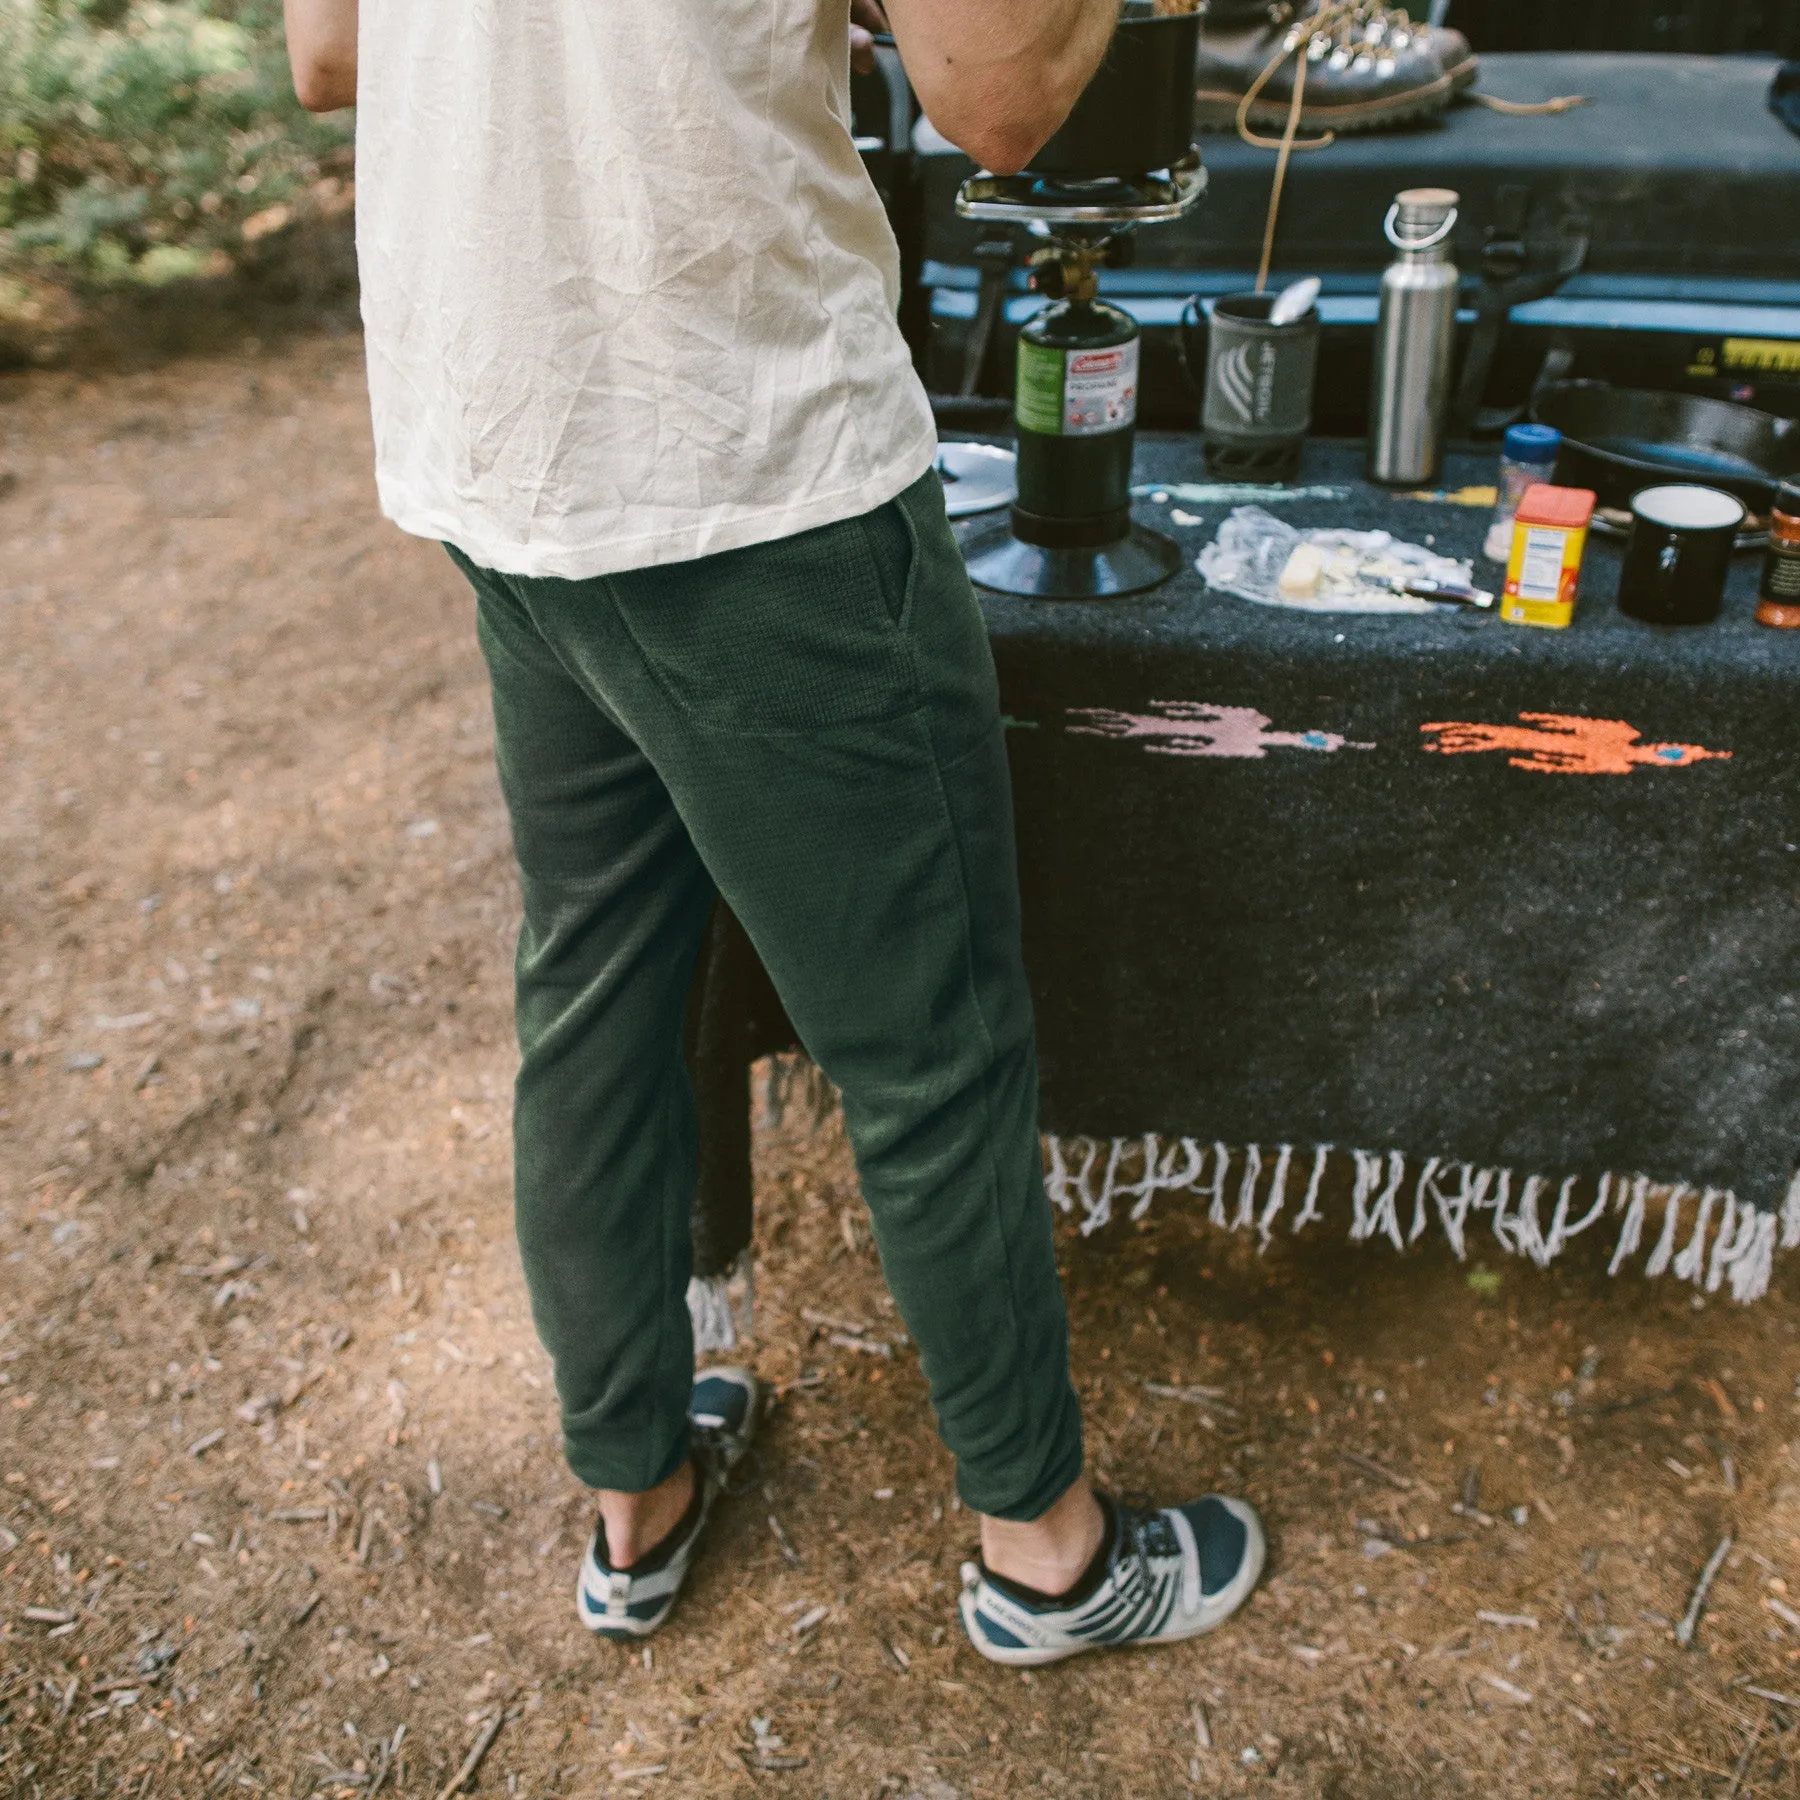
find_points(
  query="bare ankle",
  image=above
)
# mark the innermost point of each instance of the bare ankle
(634, 1524)
(1049, 1553)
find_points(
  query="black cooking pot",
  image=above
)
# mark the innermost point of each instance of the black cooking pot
(1137, 114)
(1618, 440)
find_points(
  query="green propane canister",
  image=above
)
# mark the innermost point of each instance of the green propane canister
(1075, 403)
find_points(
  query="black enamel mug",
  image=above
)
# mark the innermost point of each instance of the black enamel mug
(1679, 553)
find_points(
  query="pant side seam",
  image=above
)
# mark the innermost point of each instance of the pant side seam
(994, 1173)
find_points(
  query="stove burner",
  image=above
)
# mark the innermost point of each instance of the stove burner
(1110, 191)
(1156, 195)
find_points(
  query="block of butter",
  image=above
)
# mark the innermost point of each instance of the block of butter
(1300, 574)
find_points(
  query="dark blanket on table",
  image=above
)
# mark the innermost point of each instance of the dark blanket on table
(1576, 950)
(1439, 884)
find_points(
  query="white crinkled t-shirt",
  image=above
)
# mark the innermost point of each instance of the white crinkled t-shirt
(628, 293)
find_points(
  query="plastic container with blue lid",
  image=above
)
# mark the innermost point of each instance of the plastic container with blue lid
(1527, 457)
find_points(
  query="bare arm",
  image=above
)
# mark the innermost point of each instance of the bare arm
(997, 77)
(321, 40)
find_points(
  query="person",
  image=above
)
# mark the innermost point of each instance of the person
(629, 302)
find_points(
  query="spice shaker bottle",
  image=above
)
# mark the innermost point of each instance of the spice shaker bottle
(1527, 458)
(1778, 599)
(1415, 334)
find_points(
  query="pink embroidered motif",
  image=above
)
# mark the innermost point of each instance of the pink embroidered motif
(1567, 744)
(1193, 728)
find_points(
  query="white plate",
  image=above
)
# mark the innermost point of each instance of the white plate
(977, 478)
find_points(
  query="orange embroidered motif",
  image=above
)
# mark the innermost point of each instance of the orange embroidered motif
(1567, 744)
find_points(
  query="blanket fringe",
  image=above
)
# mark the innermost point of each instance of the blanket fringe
(723, 1307)
(1709, 1238)
(1717, 1242)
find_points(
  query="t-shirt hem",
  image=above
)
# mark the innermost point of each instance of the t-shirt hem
(739, 531)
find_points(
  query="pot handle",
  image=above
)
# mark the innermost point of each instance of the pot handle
(1190, 344)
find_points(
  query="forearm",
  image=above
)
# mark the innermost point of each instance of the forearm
(997, 77)
(321, 40)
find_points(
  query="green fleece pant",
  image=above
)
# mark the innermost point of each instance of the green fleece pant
(811, 728)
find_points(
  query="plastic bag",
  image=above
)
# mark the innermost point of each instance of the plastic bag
(1356, 570)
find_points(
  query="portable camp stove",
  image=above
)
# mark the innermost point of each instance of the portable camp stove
(1071, 535)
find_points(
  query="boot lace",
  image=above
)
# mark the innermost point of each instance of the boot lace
(1342, 34)
(1325, 32)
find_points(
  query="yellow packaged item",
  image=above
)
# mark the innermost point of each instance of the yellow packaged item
(1544, 570)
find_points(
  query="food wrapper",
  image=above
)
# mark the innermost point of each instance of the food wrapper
(1355, 571)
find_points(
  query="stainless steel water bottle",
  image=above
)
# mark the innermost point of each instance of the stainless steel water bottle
(1415, 335)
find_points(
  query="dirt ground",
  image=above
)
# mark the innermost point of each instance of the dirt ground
(283, 1506)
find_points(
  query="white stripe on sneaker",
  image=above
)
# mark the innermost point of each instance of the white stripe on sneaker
(1153, 1590)
(1190, 1561)
(618, 1604)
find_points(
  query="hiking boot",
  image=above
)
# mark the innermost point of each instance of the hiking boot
(1454, 53)
(1161, 1575)
(1367, 66)
(633, 1603)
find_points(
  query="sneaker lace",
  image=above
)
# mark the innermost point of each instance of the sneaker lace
(1146, 1537)
(731, 1466)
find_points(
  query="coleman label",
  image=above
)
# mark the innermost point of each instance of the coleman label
(1101, 391)
(1076, 393)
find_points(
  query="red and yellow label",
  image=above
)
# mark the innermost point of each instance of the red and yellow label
(1542, 573)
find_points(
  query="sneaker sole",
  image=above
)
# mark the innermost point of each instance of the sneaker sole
(1218, 111)
(1224, 1604)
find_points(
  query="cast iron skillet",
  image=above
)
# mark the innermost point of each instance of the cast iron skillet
(1618, 440)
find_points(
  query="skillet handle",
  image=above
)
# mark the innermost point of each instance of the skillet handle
(1558, 365)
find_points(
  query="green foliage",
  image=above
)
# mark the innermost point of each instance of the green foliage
(138, 136)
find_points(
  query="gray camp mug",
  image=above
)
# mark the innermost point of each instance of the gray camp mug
(1259, 386)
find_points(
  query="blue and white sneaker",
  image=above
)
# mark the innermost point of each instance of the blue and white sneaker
(632, 1603)
(1168, 1574)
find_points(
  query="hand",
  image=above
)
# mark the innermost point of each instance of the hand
(866, 17)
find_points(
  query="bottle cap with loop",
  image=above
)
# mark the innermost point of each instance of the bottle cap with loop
(1421, 219)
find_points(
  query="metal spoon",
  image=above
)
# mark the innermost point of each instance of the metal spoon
(1294, 302)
